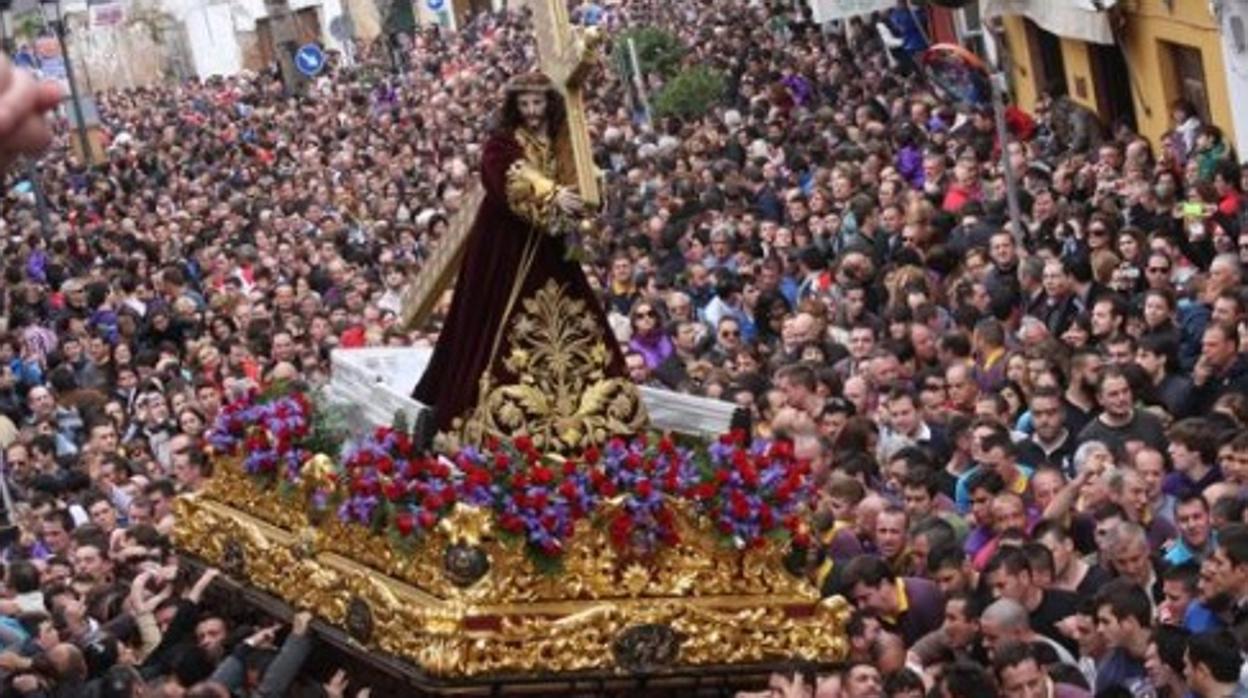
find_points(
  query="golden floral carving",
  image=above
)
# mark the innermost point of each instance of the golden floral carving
(563, 398)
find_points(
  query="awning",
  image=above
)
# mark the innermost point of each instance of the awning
(1085, 20)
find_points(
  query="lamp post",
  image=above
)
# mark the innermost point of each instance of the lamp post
(52, 18)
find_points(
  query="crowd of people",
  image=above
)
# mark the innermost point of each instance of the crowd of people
(1031, 441)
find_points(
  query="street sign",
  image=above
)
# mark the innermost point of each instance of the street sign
(435, 5)
(310, 60)
(340, 27)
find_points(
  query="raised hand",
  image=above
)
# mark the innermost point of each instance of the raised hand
(23, 103)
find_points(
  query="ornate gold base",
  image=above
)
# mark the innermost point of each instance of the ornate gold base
(464, 604)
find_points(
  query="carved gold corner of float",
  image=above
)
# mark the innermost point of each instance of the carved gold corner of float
(464, 603)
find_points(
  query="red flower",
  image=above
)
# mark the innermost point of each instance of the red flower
(749, 474)
(432, 501)
(477, 476)
(633, 461)
(511, 523)
(782, 448)
(568, 489)
(621, 527)
(540, 500)
(393, 490)
(766, 518)
(666, 445)
(403, 444)
(385, 465)
(607, 488)
(703, 490)
(543, 475)
(501, 461)
(520, 481)
(644, 488)
(551, 547)
(721, 477)
(569, 468)
(491, 443)
(440, 469)
(591, 455)
(523, 444)
(405, 523)
(427, 519)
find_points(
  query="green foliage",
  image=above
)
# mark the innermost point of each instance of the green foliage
(328, 428)
(657, 51)
(28, 25)
(691, 93)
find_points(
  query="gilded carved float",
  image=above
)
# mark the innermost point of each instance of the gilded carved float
(465, 603)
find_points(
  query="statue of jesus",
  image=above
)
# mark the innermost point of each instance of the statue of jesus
(526, 348)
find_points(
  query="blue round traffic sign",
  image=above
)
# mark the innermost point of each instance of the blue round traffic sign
(310, 60)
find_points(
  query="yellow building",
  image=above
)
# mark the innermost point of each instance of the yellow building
(1127, 60)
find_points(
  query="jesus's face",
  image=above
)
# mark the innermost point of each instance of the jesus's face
(533, 110)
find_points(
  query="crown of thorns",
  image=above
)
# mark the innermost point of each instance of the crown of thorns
(532, 81)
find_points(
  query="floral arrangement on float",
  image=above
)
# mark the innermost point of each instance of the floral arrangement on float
(751, 490)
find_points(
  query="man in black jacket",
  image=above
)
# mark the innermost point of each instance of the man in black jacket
(1221, 368)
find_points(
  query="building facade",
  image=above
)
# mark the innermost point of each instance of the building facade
(1127, 60)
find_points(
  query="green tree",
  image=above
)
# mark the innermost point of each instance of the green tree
(691, 93)
(657, 51)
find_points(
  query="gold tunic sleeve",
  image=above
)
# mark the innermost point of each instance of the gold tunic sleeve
(531, 194)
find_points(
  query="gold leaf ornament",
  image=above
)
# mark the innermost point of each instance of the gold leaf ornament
(562, 398)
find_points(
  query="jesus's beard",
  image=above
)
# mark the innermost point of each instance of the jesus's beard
(535, 124)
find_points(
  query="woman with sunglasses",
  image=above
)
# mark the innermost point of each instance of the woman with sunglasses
(649, 337)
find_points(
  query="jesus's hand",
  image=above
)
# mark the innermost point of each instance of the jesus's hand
(569, 202)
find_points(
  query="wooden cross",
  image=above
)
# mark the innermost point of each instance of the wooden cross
(565, 55)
